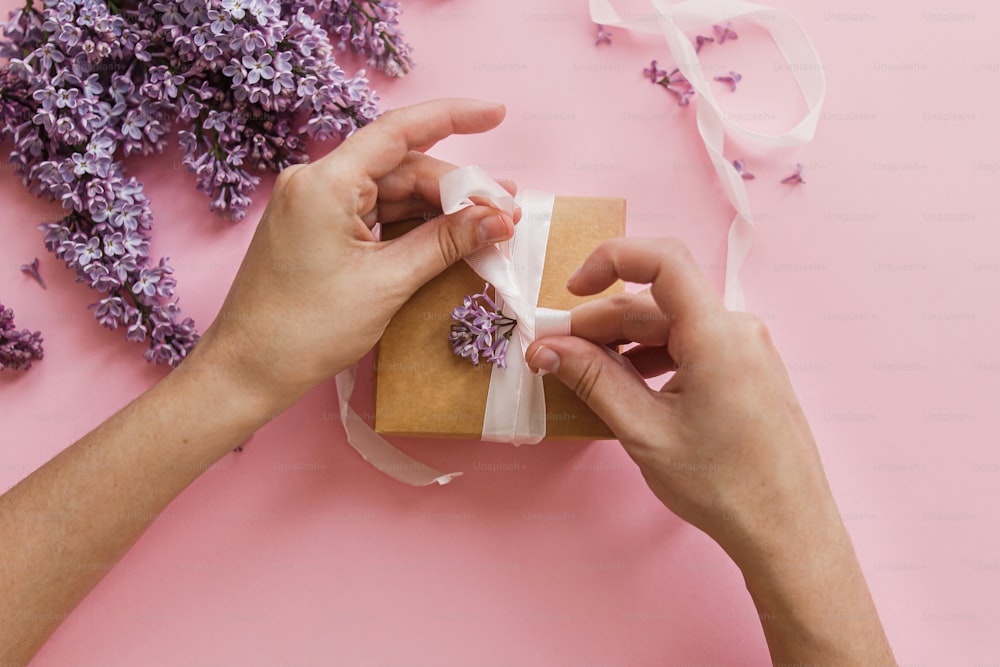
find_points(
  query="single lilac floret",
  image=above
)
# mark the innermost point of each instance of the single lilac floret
(481, 331)
(603, 35)
(796, 178)
(722, 33)
(741, 169)
(700, 41)
(31, 269)
(731, 80)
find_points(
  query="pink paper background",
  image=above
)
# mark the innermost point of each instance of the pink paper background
(878, 280)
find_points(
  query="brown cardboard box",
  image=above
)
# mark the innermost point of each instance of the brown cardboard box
(423, 389)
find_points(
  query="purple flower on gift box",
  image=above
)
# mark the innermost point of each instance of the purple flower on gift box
(18, 349)
(724, 32)
(741, 169)
(31, 268)
(674, 82)
(796, 178)
(603, 35)
(731, 80)
(700, 41)
(481, 331)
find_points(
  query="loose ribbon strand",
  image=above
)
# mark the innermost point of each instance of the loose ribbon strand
(671, 20)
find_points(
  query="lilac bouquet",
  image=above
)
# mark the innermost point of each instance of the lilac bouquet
(245, 83)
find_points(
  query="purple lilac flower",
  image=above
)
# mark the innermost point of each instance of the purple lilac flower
(724, 32)
(603, 35)
(741, 169)
(18, 349)
(674, 82)
(31, 269)
(368, 27)
(700, 41)
(244, 82)
(731, 80)
(796, 178)
(482, 330)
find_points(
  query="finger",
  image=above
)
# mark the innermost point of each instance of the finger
(677, 283)
(650, 361)
(404, 211)
(602, 379)
(430, 248)
(418, 177)
(396, 211)
(622, 317)
(378, 148)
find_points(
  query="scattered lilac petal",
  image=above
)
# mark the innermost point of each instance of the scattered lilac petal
(700, 41)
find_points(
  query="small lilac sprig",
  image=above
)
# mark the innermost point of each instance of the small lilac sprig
(731, 80)
(603, 35)
(741, 169)
(482, 330)
(724, 32)
(674, 82)
(796, 178)
(31, 268)
(368, 27)
(18, 349)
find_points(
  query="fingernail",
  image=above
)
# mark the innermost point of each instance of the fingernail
(544, 360)
(492, 229)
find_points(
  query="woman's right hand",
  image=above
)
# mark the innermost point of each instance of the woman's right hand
(724, 444)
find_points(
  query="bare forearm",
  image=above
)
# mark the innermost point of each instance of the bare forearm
(814, 604)
(64, 526)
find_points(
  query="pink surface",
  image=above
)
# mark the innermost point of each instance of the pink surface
(878, 280)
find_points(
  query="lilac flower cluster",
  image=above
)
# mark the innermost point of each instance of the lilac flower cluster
(244, 82)
(18, 349)
(482, 330)
(368, 27)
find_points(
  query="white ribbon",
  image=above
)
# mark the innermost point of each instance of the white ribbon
(672, 20)
(515, 405)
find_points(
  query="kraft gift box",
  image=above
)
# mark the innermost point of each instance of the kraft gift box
(423, 389)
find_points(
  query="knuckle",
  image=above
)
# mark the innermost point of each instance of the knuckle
(290, 179)
(449, 243)
(622, 301)
(590, 374)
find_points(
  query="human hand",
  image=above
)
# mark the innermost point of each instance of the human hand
(316, 289)
(724, 444)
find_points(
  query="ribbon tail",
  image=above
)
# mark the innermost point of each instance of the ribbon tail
(377, 450)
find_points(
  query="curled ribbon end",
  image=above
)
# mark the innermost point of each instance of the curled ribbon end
(446, 479)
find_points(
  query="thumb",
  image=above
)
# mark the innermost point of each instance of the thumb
(603, 379)
(427, 250)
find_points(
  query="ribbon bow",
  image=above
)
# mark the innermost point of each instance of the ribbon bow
(515, 405)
